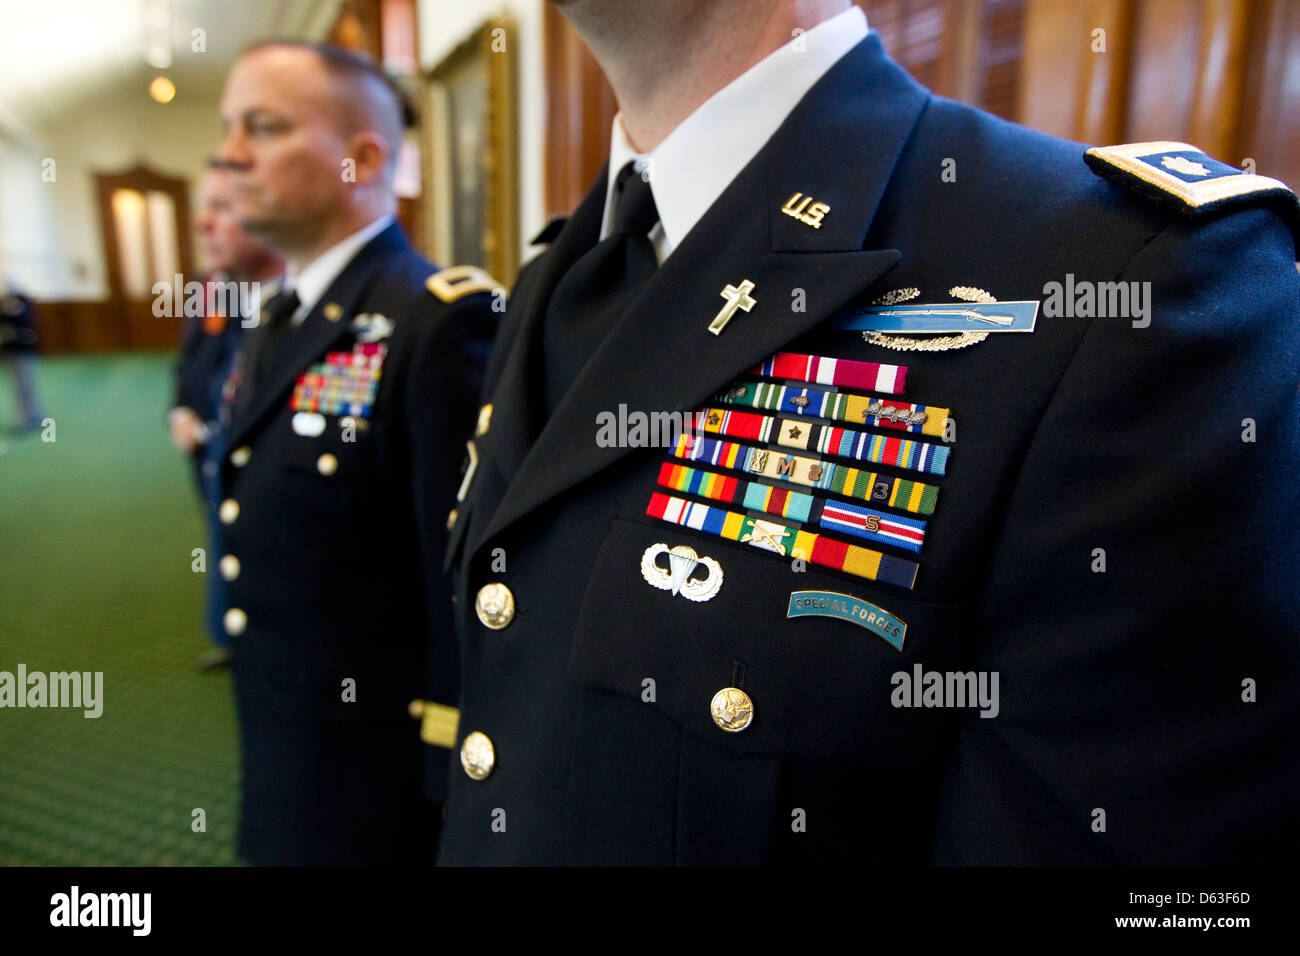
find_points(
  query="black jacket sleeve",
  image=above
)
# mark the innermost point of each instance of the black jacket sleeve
(441, 408)
(1156, 697)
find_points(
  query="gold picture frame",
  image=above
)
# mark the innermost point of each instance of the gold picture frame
(470, 153)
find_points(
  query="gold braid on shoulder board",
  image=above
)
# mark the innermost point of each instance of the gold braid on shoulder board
(456, 282)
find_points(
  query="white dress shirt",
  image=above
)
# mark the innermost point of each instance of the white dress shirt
(689, 170)
(313, 280)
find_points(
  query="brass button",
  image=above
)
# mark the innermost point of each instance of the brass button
(484, 420)
(732, 709)
(452, 515)
(333, 311)
(234, 622)
(495, 606)
(229, 567)
(478, 756)
(327, 464)
(240, 456)
(228, 511)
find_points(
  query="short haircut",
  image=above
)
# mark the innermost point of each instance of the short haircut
(381, 104)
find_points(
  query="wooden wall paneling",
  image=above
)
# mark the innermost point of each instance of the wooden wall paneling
(85, 325)
(1056, 40)
(1219, 92)
(915, 33)
(1163, 81)
(580, 108)
(961, 22)
(1104, 81)
(1270, 132)
(1000, 47)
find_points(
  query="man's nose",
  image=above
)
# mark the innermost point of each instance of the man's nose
(234, 150)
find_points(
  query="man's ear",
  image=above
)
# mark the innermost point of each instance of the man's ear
(369, 152)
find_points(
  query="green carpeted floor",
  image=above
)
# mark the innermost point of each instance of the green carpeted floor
(96, 534)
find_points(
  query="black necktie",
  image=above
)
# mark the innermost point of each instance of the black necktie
(264, 342)
(271, 331)
(597, 288)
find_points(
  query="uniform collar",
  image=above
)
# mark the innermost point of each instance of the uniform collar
(840, 147)
(688, 170)
(312, 281)
(322, 325)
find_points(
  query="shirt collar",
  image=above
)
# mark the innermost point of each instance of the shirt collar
(687, 171)
(314, 280)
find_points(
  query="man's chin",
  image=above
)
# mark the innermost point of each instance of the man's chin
(262, 228)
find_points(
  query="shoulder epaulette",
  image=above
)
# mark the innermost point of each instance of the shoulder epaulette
(549, 232)
(456, 282)
(1182, 177)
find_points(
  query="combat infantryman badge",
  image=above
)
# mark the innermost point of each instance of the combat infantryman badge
(882, 323)
(370, 327)
(682, 563)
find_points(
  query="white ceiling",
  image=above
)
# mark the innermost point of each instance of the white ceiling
(61, 55)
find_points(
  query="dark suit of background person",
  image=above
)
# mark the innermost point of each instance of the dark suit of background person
(207, 348)
(209, 344)
(18, 351)
(336, 547)
(1120, 691)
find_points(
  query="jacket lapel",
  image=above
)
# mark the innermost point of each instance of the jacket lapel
(839, 146)
(516, 416)
(313, 337)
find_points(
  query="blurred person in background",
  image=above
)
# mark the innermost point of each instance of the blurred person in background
(208, 346)
(18, 351)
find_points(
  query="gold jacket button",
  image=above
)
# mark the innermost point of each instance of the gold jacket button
(495, 606)
(732, 709)
(228, 511)
(478, 756)
(484, 420)
(229, 567)
(234, 622)
(327, 464)
(452, 515)
(240, 456)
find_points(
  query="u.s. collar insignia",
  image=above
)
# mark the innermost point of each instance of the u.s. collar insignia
(372, 327)
(677, 577)
(963, 325)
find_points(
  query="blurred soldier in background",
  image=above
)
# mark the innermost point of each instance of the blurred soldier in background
(352, 404)
(208, 346)
(18, 350)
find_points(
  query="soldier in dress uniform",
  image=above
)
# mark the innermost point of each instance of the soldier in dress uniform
(981, 547)
(351, 406)
(209, 343)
